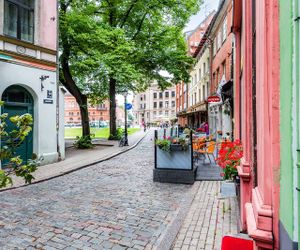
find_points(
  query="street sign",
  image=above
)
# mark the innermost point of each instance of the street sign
(128, 106)
(213, 98)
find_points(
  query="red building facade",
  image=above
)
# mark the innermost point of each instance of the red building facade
(257, 84)
(181, 103)
(97, 113)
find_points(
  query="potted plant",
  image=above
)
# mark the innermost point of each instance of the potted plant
(229, 158)
(163, 144)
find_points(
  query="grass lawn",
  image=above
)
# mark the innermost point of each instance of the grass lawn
(99, 132)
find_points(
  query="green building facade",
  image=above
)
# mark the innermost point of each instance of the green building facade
(290, 124)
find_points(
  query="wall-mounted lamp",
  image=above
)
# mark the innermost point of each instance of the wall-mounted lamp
(43, 78)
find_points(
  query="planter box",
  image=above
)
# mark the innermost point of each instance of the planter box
(176, 147)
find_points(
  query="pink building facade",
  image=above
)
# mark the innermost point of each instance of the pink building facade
(256, 95)
(28, 69)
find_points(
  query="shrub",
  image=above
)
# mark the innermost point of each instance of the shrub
(84, 142)
(11, 142)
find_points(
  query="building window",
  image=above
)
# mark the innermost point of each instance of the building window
(166, 104)
(19, 19)
(200, 74)
(141, 98)
(173, 104)
(167, 94)
(224, 29)
(148, 115)
(173, 93)
(219, 43)
(160, 95)
(154, 95)
(215, 46)
(166, 113)
(154, 113)
(155, 105)
(203, 92)
(204, 68)
(141, 106)
(224, 68)
(207, 89)
(161, 104)
(160, 112)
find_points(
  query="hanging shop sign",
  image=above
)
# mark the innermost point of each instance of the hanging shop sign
(213, 99)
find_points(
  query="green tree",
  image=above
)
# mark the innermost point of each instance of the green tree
(11, 141)
(111, 46)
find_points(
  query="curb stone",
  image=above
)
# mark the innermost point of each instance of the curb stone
(166, 240)
(79, 168)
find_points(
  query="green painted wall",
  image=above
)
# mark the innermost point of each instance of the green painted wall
(286, 84)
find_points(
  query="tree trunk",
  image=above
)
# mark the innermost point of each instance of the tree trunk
(66, 78)
(112, 110)
(84, 112)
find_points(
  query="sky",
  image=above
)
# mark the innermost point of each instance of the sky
(207, 7)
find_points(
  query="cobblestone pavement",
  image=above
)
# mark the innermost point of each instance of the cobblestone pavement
(208, 220)
(112, 205)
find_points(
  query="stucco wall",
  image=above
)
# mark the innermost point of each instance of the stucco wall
(48, 24)
(287, 201)
(44, 130)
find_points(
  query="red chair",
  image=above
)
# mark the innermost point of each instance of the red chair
(235, 243)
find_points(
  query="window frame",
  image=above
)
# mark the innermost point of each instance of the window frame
(20, 6)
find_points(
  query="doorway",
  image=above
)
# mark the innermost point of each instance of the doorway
(18, 101)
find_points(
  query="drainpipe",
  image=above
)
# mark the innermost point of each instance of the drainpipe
(57, 84)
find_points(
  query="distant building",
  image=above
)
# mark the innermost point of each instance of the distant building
(183, 98)
(28, 55)
(199, 86)
(221, 114)
(181, 103)
(155, 106)
(98, 114)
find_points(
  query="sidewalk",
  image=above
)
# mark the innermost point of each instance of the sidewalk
(209, 218)
(76, 159)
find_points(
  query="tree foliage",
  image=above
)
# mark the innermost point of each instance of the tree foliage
(124, 45)
(11, 141)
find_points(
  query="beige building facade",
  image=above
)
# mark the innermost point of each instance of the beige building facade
(198, 88)
(155, 106)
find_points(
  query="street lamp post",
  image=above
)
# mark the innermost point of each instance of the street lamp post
(125, 125)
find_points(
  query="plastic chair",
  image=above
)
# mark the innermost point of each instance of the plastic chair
(209, 150)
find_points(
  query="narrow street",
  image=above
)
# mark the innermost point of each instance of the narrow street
(113, 205)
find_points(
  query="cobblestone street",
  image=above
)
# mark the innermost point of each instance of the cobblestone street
(112, 205)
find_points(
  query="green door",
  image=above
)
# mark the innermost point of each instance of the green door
(18, 101)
